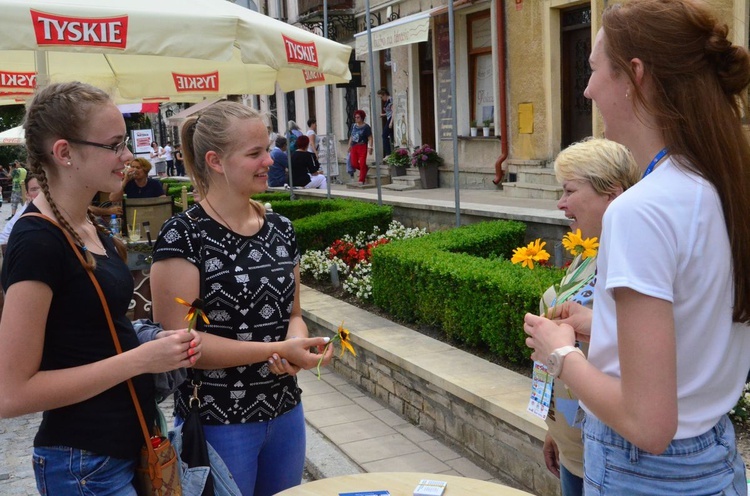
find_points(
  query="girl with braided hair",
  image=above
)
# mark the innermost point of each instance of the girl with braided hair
(59, 355)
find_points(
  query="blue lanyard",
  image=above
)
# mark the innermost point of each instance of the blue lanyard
(655, 161)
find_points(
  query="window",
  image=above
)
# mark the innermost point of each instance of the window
(480, 67)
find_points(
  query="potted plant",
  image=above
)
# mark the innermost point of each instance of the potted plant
(427, 160)
(473, 128)
(398, 161)
(486, 128)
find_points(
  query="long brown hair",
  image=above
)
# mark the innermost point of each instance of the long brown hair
(60, 111)
(699, 79)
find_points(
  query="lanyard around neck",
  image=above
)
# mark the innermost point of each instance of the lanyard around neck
(655, 161)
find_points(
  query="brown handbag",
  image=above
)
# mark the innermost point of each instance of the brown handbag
(157, 472)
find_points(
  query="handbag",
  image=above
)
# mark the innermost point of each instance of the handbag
(194, 446)
(157, 472)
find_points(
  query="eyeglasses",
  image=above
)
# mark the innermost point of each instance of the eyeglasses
(118, 148)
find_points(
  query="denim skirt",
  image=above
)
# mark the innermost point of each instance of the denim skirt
(703, 465)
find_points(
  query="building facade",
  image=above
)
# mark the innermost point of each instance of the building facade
(520, 69)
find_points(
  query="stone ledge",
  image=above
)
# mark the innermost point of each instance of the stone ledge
(477, 405)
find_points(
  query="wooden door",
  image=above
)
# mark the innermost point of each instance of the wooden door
(426, 94)
(576, 48)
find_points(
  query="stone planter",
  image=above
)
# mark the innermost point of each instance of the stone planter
(397, 170)
(428, 174)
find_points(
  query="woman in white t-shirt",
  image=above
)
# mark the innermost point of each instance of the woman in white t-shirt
(158, 159)
(670, 341)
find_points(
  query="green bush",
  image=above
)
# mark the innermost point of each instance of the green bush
(318, 223)
(462, 282)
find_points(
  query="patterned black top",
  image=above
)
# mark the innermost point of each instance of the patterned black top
(248, 294)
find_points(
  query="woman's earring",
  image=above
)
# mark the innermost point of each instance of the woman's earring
(627, 94)
(69, 164)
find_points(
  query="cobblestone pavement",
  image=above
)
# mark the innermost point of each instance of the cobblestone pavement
(16, 441)
(16, 446)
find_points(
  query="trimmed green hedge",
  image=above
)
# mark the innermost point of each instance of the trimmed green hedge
(318, 223)
(462, 282)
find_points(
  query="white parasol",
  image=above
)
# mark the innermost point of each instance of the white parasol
(164, 49)
(12, 136)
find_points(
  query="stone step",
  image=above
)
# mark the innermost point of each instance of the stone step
(407, 182)
(544, 176)
(534, 191)
(402, 186)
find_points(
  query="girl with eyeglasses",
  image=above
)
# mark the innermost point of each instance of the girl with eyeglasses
(59, 354)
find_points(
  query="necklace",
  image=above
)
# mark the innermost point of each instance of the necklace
(219, 215)
(97, 242)
(257, 218)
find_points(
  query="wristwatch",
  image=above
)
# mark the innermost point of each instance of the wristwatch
(556, 358)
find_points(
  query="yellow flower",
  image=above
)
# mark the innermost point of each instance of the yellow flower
(346, 344)
(576, 245)
(196, 309)
(533, 252)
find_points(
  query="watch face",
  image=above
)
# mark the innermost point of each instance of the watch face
(553, 364)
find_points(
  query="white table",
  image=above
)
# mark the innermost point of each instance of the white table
(399, 484)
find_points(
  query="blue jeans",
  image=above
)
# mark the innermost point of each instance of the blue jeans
(570, 483)
(60, 470)
(263, 457)
(705, 464)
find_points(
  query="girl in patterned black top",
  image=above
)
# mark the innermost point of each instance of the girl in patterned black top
(244, 263)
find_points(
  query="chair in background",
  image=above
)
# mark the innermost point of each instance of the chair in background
(155, 211)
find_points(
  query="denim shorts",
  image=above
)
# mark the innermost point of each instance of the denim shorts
(60, 470)
(706, 464)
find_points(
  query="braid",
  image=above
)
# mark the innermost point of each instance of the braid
(61, 220)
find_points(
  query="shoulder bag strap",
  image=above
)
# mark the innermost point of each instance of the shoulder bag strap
(144, 428)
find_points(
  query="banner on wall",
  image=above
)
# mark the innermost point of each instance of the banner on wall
(400, 126)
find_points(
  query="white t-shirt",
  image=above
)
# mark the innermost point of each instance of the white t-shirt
(168, 153)
(311, 134)
(157, 155)
(666, 238)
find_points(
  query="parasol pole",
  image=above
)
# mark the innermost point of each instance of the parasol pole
(454, 117)
(373, 104)
(328, 111)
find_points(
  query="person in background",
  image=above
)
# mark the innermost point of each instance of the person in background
(169, 158)
(387, 114)
(60, 357)
(244, 263)
(136, 183)
(272, 135)
(593, 173)
(670, 333)
(157, 160)
(306, 171)
(292, 133)
(18, 193)
(32, 190)
(360, 145)
(312, 130)
(178, 161)
(278, 173)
